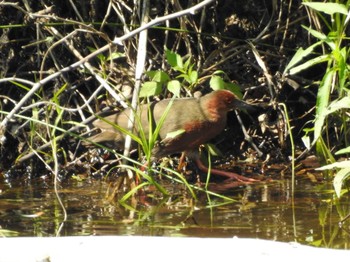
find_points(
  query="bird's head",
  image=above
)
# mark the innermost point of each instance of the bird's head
(225, 101)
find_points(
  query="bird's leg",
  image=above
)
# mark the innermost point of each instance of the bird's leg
(181, 162)
(230, 175)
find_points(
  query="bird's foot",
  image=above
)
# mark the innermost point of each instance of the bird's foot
(234, 176)
(243, 178)
(229, 175)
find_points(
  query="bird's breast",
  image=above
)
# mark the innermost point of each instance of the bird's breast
(201, 132)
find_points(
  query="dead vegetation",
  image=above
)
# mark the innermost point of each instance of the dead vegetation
(63, 61)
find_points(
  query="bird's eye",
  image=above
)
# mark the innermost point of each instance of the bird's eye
(229, 100)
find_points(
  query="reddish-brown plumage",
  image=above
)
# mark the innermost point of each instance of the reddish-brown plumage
(200, 119)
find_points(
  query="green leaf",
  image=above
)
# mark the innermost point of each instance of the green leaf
(322, 37)
(322, 110)
(316, 33)
(100, 56)
(341, 57)
(309, 63)
(125, 131)
(343, 151)
(158, 76)
(306, 141)
(175, 60)
(186, 77)
(56, 95)
(328, 8)
(336, 105)
(339, 179)
(213, 150)
(316, 243)
(234, 88)
(187, 64)
(174, 87)
(25, 88)
(60, 91)
(341, 164)
(322, 149)
(219, 72)
(115, 55)
(322, 103)
(216, 82)
(150, 88)
(174, 134)
(193, 77)
(299, 56)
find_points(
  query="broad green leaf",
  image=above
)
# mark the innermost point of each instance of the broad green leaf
(216, 82)
(151, 73)
(175, 60)
(150, 88)
(193, 76)
(161, 77)
(174, 87)
(328, 8)
(158, 76)
(234, 88)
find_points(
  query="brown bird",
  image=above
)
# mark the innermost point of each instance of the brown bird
(189, 123)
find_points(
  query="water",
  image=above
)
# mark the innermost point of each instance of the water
(262, 210)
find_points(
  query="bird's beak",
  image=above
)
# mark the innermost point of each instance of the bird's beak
(239, 104)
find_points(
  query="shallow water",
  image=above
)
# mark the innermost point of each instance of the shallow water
(261, 210)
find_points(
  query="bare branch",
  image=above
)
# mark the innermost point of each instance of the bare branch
(83, 61)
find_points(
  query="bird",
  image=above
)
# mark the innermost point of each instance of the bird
(189, 123)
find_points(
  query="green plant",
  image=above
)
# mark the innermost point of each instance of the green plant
(331, 111)
(186, 77)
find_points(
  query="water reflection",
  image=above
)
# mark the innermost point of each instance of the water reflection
(265, 211)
